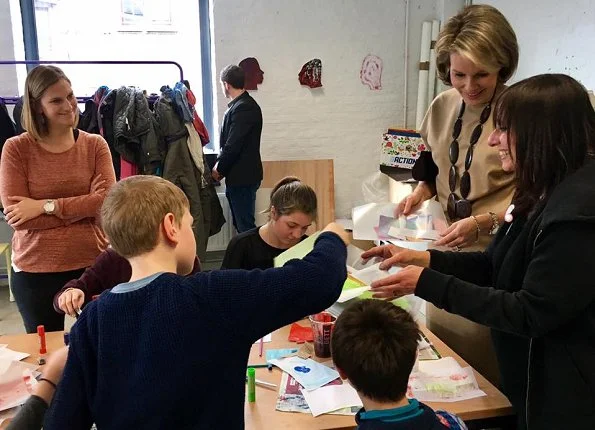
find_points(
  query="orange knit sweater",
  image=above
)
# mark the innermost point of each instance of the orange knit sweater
(71, 238)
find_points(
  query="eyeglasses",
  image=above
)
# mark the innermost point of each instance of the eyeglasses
(459, 208)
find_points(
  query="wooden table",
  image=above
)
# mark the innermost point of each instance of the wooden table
(262, 414)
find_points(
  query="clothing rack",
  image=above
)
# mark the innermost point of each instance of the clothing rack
(11, 100)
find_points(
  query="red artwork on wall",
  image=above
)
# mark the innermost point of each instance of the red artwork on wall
(311, 74)
(254, 74)
(371, 72)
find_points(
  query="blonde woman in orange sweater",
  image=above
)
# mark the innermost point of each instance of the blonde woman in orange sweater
(53, 179)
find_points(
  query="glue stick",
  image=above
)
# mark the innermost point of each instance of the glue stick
(251, 384)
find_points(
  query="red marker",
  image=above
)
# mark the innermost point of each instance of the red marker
(42, 348)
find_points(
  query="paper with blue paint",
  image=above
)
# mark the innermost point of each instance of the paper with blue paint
(309, 373)
(280, 353)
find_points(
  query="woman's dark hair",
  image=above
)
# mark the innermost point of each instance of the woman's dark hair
(551, 123)
(291, 195)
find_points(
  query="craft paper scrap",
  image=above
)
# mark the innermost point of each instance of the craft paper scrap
(297, 251)
(300, 334)
(308, 373)
(330, 398)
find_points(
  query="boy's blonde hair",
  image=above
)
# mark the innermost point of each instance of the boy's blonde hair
(483, 35)
(38, 80)
(134, 209)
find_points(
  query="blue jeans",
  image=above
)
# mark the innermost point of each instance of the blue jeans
(242, 202)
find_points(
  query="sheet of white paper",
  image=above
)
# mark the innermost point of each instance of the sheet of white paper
(9, 354)
(355, 261)
(407, 232)
(352, 293)
(444, 367)
(267, 338)
(365, 219)
(416, 246)
(373, 273)
(330, 398)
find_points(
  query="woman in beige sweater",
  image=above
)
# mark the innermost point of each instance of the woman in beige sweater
(477, 52)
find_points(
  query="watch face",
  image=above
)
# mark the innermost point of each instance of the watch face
(49, 207)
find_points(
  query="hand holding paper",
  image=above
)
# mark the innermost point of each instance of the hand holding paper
(396, 256)
(399, 284)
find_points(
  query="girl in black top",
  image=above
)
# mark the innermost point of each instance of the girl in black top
(292, 210)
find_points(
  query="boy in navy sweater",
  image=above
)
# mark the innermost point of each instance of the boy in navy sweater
(167, 351)
(374, 346)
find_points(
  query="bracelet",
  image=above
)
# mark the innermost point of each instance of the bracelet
(477, 226)
(48, 381)
(495, 224)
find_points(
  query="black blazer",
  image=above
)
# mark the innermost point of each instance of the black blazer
(239, 159)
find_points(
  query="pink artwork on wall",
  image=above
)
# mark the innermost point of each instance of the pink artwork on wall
(311, 74)
(254, 74)
(371, 72)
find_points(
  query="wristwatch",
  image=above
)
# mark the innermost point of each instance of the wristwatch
(49, 207)
(495, 224)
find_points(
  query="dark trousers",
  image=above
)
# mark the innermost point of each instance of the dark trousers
(242, 202)
(34, 294)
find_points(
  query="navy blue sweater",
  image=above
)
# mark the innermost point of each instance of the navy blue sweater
(173, 354)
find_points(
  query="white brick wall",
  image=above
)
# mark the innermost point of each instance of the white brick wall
(344, 120)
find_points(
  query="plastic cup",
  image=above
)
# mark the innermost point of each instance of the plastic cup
(322, 327)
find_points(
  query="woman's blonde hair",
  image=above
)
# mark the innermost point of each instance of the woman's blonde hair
(483, 35)
(38, 81)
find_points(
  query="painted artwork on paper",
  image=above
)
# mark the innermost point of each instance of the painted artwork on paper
(254, 74)
(371, 72)
(311, 74)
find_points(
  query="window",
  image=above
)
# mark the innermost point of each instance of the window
(127, 30)
(146, 15)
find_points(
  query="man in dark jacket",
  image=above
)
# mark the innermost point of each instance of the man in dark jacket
(239, 158)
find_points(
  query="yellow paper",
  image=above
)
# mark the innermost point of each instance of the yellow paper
(298, 251)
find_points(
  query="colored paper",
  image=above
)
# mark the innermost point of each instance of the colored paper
(272, 354)
(300, 334)
(297, 251)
